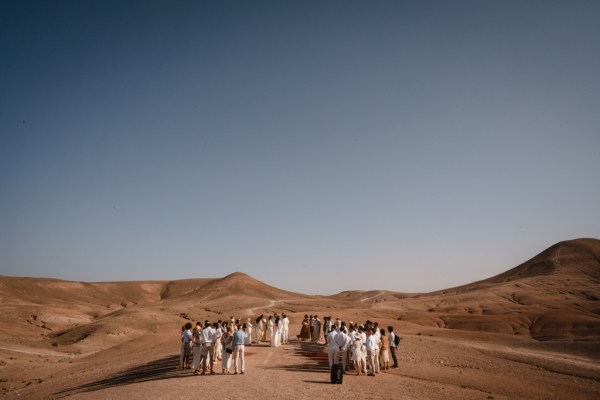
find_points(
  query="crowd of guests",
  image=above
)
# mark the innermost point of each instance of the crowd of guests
(203, 346)
(366, 347)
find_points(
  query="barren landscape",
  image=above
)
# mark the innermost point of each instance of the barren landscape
(531, 332)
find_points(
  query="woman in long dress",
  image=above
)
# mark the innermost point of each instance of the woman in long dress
(196, 348)
(227, 346)
(270, 331)
(384, 351)
(357, 352)
(248, 339)
(277, 331)
(305, 331)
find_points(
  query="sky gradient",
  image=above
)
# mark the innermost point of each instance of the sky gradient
(317, 146)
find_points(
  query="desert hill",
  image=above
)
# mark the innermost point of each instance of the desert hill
(552, 300)
(552, 296)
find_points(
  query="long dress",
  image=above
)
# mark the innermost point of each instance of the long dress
(263, 331)
(270, 332)
(357, 351)
(248, 339)
(277, 333)
(305, 331)
(225, 356)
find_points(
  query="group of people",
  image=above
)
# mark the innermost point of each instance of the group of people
(274, 329)
(225, 341)
(368, 346)
(365, 346)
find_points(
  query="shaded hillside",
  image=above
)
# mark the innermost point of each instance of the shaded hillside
(555, 295)
(573, 257)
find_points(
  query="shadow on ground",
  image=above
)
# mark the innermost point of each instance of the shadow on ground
(163, 368)
(314, 352)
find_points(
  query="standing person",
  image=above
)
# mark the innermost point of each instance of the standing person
(207, 337)
(316, 330)
(329, 325)
(332, 348)
(371, 347)
(305, 331)
(248, 332)
(285, 330)
(363, 337)
(312, 328)
(239, 338)
(357, 352)
(277, 331)
(227, 346)
(196, 346)
(218, 348)
(342, 341)
(187, 344)
(384, 355)
(182, 351)
(259, 329)
(393, 346)
(270, 330)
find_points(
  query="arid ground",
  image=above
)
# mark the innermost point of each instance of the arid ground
(531, 332)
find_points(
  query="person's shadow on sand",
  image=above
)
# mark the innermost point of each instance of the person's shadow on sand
(163, 368)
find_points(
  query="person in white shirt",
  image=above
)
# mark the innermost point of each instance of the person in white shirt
(186, 338)
(207, 338)
(332, 347)
(363, 338)
(342, 341)
(285, 330)
(393, 347)
(372, 352)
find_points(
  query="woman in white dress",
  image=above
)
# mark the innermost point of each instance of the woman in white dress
(270, 331)
(278, 325)
(219, 331)
(227, 346)
(196, 348)
(248, 339)
(357, 352)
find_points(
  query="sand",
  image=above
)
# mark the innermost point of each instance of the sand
(531, 332)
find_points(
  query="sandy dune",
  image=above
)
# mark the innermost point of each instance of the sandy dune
(531, 332)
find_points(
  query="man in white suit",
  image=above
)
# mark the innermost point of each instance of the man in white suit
(285, 330)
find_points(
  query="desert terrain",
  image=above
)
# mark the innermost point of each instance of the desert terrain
(532, 332)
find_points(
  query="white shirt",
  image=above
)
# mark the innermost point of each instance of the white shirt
(207, 335)
(331, 340)
(372, 343)
(187, 336)
(342, 341)
(392, 339)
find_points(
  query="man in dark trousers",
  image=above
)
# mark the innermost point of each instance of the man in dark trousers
(393, 346)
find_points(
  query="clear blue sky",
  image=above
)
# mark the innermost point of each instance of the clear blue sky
(315, 145)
